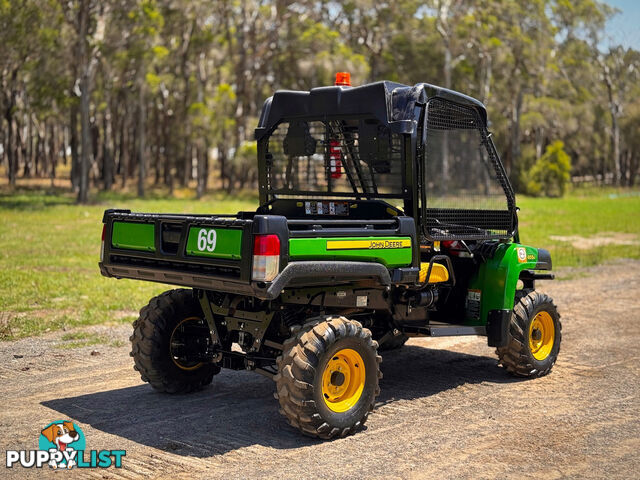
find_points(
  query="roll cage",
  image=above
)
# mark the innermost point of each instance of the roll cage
(423, 149)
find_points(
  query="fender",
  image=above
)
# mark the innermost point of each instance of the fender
(295, 271)
(497, 278)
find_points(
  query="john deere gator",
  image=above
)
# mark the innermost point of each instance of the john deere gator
(385, 213)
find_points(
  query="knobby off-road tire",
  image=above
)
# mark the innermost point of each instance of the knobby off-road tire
(393, 343)
(150, 344)
(305, 372)
(530, 353)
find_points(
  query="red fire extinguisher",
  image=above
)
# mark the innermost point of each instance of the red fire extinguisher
(335, 159)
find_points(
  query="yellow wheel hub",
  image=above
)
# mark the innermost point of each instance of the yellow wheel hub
(541, 335)
(176, 339)
(343, 380)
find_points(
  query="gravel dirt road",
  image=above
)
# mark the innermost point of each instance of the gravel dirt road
(446, 409)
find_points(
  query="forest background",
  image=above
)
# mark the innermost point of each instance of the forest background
(135, 95)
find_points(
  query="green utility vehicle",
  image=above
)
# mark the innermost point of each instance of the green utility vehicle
(385, 213)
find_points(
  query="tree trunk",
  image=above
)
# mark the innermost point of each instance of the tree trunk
(132, 135)
(83, 184)
(241, 85)
(38, 152)
(202, 150)
(615, 144)
(634, 168)
(516, 113)
(20, 146)
(222, 160)
(28, 163)
(107, 156)
(11, 153)
(3, 138)
(73, 144)
(156, 142)
(203, 169)
(122, 150)
(168, 153)
(84, 58)
(188, 163)
(200, 170)
(96, 167)
(53, 150)
(445, 136)
(141, 140)
(12, 150)
(205, 177)
(487, 77)
(614, 110)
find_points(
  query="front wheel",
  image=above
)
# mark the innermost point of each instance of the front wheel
(327, 378)
(535, 333)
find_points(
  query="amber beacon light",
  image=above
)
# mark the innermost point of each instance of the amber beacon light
(343, 79)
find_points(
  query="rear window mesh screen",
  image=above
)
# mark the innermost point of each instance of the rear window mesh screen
(466, 189)
(351, 157)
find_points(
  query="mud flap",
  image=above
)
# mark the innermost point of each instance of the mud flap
(498, 328)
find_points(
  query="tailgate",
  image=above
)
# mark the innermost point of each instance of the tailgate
(188, 250)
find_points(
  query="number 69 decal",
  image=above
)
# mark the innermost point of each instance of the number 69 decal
(207, 240)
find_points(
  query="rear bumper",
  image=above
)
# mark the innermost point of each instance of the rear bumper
(184, 279)
(295, 274)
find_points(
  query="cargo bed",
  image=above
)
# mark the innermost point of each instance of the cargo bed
(165, 248)
(216, 252)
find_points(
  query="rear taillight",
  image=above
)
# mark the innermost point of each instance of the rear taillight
(104, 228)
(266, 258)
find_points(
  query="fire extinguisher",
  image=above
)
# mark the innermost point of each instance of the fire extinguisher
(335, 159)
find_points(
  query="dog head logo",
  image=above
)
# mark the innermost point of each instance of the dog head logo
(61, 434)
(64, 437)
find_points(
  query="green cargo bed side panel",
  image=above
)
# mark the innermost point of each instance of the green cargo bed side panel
(133, 236)
(224, 243)
(497, 279)
(389, 251)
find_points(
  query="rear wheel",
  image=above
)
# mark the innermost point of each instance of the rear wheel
(328, 376)
(535, 333)
(169, 343)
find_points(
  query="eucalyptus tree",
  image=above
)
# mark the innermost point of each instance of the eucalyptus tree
(87, 19)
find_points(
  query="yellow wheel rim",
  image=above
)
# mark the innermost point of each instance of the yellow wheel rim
(171, 340)
(343, 380)
(541, 335)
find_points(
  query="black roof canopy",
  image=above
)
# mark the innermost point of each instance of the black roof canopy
(391, 103)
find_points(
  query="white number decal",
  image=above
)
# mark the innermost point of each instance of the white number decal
(202, 239)
(206, 240)
(211, 240)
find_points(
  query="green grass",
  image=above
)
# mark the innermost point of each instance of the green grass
(587, 214)
(49, 251)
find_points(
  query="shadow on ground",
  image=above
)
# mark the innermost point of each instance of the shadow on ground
(239, 410)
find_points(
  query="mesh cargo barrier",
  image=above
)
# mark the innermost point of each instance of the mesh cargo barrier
(467, 193)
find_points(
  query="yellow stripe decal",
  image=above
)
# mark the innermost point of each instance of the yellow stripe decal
(367, 244)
